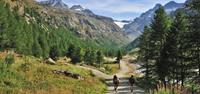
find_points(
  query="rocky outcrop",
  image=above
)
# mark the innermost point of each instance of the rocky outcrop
(55, 3)
(81, 10)
(68, 74)
(50, 61)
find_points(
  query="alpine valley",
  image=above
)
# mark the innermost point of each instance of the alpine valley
(69, 47)
(86, 23)
(103, 32)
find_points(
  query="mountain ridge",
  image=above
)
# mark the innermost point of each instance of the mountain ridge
(135, 28)
(55, 3)
(80, 9)
(85, 21)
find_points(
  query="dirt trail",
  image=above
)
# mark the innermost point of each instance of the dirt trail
(124, 87)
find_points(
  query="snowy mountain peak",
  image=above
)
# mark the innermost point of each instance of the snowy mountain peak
(80, 9)
(77, 7)
(55, 3)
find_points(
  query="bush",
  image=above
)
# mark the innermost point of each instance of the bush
(3, 69)
(9, 59)
(25, 67)
(194, 88)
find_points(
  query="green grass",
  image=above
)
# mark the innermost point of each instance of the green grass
(167, 91)
(30, 75)
(111, 68)
(162, 91)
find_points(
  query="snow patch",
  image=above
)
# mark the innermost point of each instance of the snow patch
(78, 9)
(120, 24)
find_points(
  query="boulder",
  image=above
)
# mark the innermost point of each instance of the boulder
(68, 73)
(50, 61)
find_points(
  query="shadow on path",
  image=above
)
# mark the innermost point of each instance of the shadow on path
(124, 87)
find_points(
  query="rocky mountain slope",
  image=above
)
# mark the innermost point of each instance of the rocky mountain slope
(135, 28)
(80, 9)
(55, 3)
(88, 24)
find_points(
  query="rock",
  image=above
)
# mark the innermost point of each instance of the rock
(68, 73)
(50, 61)
(103, 69)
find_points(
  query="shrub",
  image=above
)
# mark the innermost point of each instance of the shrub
(3, 69)
(9, 59)
(25, 67)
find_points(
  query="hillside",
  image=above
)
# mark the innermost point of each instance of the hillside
(88, 24)
(29, 75)
(33, 29)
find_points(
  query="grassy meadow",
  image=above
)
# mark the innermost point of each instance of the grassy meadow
(29, 75)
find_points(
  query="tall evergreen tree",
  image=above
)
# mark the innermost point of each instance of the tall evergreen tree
(194, 34)
(87, 57)
(77, 55)
(99, 59)
(44, 44)
(53, 54)
(36, 49)
(160, 27)
(145, 56)
(177, 51)
(70, 50)
(93, 57)
(119, 56)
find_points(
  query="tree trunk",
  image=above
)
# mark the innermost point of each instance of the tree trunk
(119, 64)
(198, 60)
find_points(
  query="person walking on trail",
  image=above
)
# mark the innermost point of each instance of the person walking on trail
(115, 82)
(131, 82)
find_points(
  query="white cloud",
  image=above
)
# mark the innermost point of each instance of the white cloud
(114, 6)
(119, 6)
(134, 8)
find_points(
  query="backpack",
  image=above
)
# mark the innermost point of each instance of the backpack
(131, 80)
(116, 81)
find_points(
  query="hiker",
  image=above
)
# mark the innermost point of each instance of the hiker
(115, 82)
(131, 82)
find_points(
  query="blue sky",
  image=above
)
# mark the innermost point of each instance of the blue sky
(118, 9)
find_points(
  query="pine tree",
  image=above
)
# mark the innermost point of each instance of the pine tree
(99, 59)
(194, 33)
(36, 49)
(76, 55)
(87, 57)
(90, 57)
(70, 50)
(145, 56)
(160, 27)
(44, 44)
(53, 53)
(93, 57)
(177, 42)
(119, 57)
